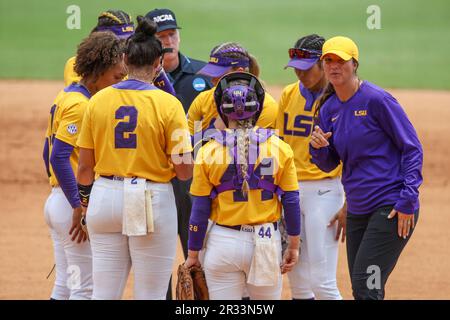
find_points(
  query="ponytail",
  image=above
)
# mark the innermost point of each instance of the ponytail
(327, 92)
(143, 48)
(243, 143)
(254, 66)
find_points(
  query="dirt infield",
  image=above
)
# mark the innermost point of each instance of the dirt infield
(25, 244)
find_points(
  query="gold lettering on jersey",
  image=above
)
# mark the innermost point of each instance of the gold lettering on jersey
(360, 113)
(127, 29)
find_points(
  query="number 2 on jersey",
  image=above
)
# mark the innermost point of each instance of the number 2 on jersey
(123, 136)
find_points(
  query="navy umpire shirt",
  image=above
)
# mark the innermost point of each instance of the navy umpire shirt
(186, 82)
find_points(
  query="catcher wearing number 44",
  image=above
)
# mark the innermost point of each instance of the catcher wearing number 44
(242, 177)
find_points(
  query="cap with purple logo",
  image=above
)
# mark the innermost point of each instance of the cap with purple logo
(122, 31)
(306, 52)
(164, 18)
(219, 63)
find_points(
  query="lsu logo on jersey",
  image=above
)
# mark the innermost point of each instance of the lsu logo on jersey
(127, 29)
(72, 128)
(360, 113)
(302, 125)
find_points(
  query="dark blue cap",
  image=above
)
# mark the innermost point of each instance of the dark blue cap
(164, 19)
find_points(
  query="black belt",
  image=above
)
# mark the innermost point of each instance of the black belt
(238, 228)
(117, 178)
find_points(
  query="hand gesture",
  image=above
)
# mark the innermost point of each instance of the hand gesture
(319, 139)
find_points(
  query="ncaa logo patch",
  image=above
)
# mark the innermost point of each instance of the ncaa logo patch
(199, 84)
(72, 128)
(163, 17)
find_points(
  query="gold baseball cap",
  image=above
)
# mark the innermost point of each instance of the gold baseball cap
(341, 46)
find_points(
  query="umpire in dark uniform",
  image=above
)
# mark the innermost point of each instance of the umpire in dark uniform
(182, 72)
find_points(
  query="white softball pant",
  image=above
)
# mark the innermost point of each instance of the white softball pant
(315, 274)
(227, 260)
(152, 256)
(73, 260)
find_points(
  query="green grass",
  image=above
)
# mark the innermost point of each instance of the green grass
(410, 50)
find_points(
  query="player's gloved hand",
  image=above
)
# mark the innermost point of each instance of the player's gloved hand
(291, 254)
(319, 139)
(76, 231)
(341, 218)
(191, 283)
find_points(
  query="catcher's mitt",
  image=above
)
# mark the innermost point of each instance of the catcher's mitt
(191, 284)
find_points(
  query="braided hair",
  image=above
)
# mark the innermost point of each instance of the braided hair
(235, 50)
(310, 42)
(242, 131)
(112, 18)
(243, 143)
(315, 42)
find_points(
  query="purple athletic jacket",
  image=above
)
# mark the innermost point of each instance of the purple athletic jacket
(379, 148)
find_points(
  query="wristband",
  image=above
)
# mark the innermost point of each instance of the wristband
(84, 192)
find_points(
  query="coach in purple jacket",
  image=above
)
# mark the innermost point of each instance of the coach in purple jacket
(363, 126)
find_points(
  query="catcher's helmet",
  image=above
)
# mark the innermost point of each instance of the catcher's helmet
(239, 96)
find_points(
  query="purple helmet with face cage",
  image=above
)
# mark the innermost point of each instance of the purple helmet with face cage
(239, 96)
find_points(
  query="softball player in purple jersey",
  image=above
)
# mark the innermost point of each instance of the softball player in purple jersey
(363, 126)
(321, 193)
